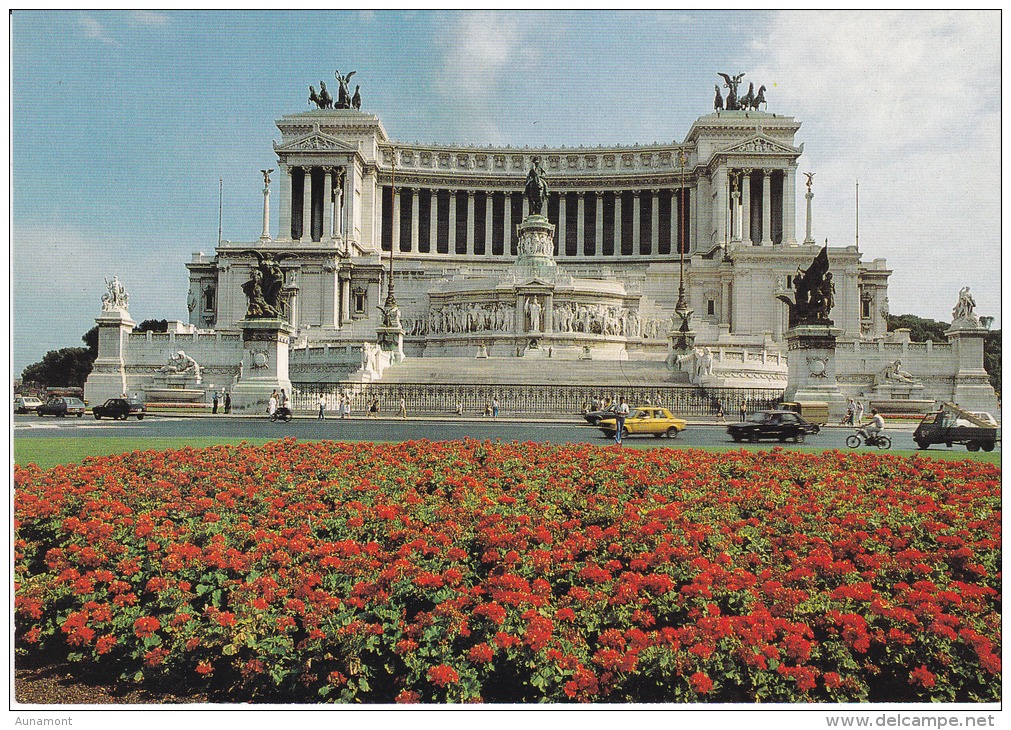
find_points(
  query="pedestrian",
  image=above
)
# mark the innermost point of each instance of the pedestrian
(744, 412)
(720, 414)
(487, 409)
(851, 410)
(214, 402)
(374, 408)
(322, 409)
(859, 413)
(346, 407)
(228, 402)
(272, 404)
(403, 407)
(494, 407)
(459, 408)
(619, 420)
(285, 403)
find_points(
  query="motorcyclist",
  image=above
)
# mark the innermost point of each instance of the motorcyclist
(871, 430)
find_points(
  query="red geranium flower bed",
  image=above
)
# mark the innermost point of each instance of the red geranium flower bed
(479, 572)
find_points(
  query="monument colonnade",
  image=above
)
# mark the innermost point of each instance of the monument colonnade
(755, 205)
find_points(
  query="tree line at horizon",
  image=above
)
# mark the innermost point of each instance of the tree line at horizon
(69, 367)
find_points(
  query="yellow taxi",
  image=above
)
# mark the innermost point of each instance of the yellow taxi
(646, 420)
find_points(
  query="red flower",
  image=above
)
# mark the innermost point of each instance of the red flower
(443, 675)
(145, 626)
(205, 668)
(921, 676)
(701, 683)
(480, 653)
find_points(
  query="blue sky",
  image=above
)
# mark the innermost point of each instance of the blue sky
(123, 122)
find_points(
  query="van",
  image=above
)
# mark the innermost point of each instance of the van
(815, 411)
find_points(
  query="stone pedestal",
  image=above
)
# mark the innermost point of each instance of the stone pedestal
(264, 364)
(535, 250)
(108, 375)
(973, 391)
(811, 372)
(391, 340)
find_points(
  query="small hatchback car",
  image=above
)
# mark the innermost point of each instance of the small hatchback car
(62, 406)
(121, 408)
(646, 420)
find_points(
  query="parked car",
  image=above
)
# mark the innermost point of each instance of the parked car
(646, 420)
(26, 404)
(951, 425)
(593, 417)
(120, 408)
(62, 406)
(780, 425)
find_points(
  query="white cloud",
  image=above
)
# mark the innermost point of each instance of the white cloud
(147, 18)
(909, 104)
(479, 53)
(96, 31)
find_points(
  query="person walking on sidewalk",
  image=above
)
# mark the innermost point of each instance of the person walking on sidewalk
(619, 420)
(494, 407)
(272, 404)
(228, 402)
(214, 406)
(403, 407)
(322, 409)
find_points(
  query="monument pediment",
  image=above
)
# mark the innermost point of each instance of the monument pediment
(760, 144)
(315, 142)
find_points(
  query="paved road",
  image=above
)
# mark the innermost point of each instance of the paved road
(389, 429)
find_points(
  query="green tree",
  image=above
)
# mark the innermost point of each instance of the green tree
(992, 358)
(90, 338)
(920, 329)
(152, 325)
(65, 368)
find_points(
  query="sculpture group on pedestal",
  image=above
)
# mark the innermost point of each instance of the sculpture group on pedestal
(264, 288)
(116, 298)
(345, 99)
(814, 294)
(181, 364)
(964, 309)
(750, 101)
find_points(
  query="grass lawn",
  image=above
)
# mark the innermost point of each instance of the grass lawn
(49, 452)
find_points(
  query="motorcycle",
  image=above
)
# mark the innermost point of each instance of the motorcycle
(282, 414)
(881, 441)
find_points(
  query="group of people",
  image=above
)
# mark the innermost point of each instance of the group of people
(227, 402)
(276, 402)
(343, 407)
(854, 413)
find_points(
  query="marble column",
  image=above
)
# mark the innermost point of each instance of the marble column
(693, 220)
(766, 207)
(562, 225)
(746, 206)
(470, 222)
(328, 204)
(617, 223)
(549, 314)
(284, 204)
(790, 205)
(265, 236)
(307, 205)
(488, 221)
(433, 221)
(415, 210)
(675, 221)
(526, 207)
(452, 221)
(655, 227)
(395, 222)
(735, 208)
(507, 223)
(721, 211)
(580, 222)
(598, 239)
(636, 224)
(347, 203)
(338, 204)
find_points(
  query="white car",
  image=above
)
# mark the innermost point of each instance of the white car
(26, 404)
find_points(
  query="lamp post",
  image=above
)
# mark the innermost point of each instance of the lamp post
(684, 338)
